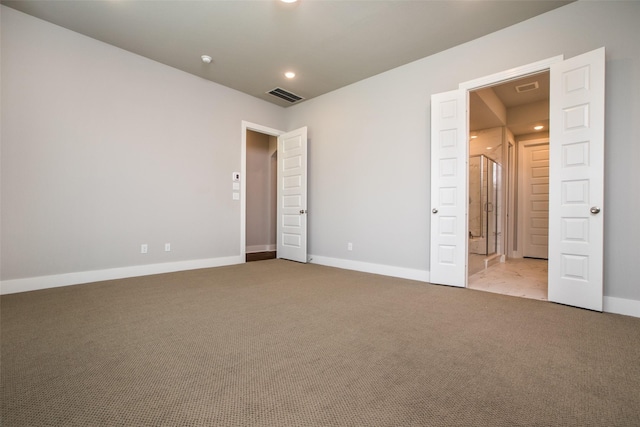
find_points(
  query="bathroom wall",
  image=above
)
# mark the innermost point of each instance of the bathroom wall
(488, 142)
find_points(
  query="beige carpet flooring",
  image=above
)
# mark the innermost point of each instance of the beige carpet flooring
(277, 343)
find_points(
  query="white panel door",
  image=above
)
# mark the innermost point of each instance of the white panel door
(292, 196)
(576, 193)
(535, 174)
(448, 189)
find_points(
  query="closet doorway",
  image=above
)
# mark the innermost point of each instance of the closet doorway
(280, 166)
(261, 196)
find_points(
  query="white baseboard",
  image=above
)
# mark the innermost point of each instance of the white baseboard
(614, 305)
(366, 267)
(260, 248)
(624, 306)
(54, 281)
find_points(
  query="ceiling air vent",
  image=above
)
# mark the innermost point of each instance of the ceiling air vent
(527, 87)
(287, 96)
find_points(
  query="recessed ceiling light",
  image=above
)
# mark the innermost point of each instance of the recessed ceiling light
(489, 148)
(206, 59)
(539, 127)
(288, 1)
(474, 136)
(289, 74)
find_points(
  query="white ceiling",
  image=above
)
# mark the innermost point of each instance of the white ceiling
(329, 44)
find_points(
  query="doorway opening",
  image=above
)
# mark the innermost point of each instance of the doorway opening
(288, 168)
(508, 187)
(261, 183)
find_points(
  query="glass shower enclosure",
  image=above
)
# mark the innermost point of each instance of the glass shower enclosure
(485, 180)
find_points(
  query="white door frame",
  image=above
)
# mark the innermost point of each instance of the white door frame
(511, 202)
(491, 80)
(243, 178)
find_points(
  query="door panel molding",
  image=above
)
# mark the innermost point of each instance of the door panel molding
(524, 214)
(576, 208)
(449, 152)
(292, 196)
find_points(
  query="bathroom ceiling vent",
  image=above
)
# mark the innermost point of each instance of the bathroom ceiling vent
(527, 87)
(286, 95)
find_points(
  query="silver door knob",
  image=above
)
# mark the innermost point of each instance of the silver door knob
(595, 210)
(434, 210)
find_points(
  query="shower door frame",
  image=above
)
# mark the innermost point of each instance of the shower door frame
(485, 182)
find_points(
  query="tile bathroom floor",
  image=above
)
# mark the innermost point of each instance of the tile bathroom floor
(522, 277)
(476, 263)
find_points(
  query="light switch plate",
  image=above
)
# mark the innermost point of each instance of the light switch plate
(236, 196)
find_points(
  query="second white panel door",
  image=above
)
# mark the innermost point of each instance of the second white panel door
(535, 185)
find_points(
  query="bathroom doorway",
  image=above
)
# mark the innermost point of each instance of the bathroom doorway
(576, 177)
(508, 182)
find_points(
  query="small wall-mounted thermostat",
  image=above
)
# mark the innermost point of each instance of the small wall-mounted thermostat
(236, 176)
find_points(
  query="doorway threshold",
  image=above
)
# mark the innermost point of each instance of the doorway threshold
(522, 277)
(260, 256)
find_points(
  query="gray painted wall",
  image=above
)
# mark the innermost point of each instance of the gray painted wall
(369, 151)
(103, 150)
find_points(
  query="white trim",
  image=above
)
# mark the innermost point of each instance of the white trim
(615, 305)
(512, 185)
(68, 279)
(243, 176)
(628, 307)
(260, 248)
(513, 73)
(366, 267)
(490, 80)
